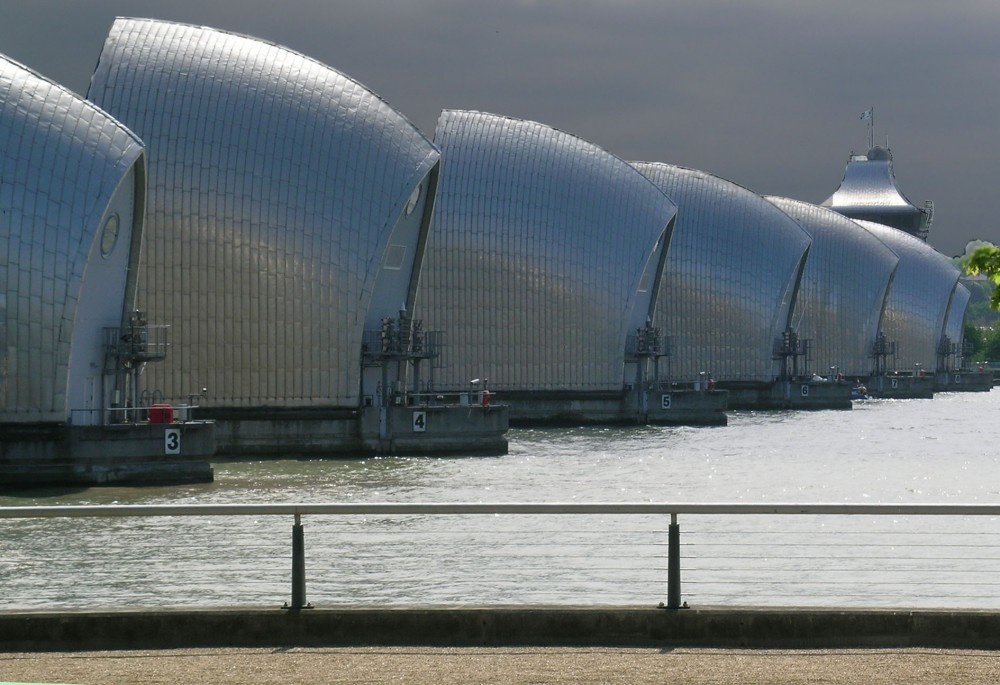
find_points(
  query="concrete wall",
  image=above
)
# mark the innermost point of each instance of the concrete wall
(283, 432)
(570, 408)
(499, 626)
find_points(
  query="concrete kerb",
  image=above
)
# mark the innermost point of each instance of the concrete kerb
(498, 626)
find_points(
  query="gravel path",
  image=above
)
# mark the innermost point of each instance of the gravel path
(503, 665)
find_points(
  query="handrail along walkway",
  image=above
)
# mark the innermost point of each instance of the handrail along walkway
(674, 510)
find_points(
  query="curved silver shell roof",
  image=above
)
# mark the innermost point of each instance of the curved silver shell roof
(277, 188)
(732, 268)
(869, 192)
(843, 290)
(918, 301)
(543, 256)
(70, 176)
(954, 327)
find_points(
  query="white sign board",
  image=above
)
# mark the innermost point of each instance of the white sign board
(172, 441)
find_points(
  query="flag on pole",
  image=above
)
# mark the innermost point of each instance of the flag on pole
(867, 114)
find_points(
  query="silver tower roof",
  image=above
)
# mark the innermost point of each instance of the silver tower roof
(732, 268)
(276, 187)
(543, 255)
(69, 177)
(869, 192)
(918, 301)
(843, 291)
(954, 326)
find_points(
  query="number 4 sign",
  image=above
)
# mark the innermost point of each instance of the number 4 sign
(419, 421)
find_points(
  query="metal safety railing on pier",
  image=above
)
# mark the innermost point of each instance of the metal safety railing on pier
(602, 553)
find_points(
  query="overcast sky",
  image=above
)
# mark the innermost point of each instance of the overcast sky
(765, 93)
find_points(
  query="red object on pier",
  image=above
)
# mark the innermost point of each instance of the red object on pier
(161, 413)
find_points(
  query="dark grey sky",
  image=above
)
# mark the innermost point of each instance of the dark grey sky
(766, 93)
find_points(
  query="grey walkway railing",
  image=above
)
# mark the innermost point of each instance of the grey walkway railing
(672, 510)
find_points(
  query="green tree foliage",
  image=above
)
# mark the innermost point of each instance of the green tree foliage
(973, 337)
(979, 313)
(985, 260)
(983, 342)
(991, 345)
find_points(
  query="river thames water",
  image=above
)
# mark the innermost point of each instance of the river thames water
(944, 450)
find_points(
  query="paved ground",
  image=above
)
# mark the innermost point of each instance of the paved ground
(503, 665)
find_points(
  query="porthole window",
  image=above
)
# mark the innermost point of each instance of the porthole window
(109, 236)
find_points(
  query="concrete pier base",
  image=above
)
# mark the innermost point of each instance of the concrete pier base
(120, 454)
(676, 406)
(442, 430)
(400, 429)
(900, 387)
(978, 380)
(684, 407)
(796, 393)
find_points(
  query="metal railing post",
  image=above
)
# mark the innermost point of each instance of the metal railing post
(298, 565)
(674, 564)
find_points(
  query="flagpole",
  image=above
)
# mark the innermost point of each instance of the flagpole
(869, 116)
(871, 128)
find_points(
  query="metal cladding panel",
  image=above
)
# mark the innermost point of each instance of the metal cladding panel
(918, 300)
(732, 266)
(274, 184)
(61, 162)
(535, 261)
(869, 192)
(954, 326)
(843, 289)
(868, 183)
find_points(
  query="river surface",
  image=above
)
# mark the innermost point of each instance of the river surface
(944, 450)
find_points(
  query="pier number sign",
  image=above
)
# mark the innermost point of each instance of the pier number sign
(172, 441)
(419, 421)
